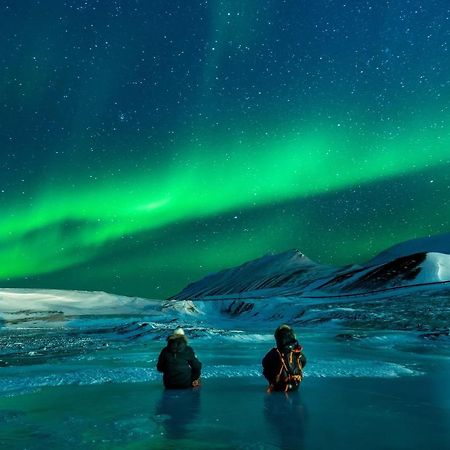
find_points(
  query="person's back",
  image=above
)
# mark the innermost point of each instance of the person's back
(178, 363)
(283, 365)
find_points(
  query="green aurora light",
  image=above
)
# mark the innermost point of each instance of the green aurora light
(227, 178)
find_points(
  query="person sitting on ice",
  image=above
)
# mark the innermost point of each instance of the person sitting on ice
(283, 365)
(178, 363)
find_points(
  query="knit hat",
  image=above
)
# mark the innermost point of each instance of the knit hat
(176, 334)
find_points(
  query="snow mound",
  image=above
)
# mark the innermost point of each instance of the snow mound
(71, 302)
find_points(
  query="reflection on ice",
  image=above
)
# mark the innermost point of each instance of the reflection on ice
(176, 410)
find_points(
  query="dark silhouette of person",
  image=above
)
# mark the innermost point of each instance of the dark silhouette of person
(177, 361)
(176, 410)
(283, 365)
(287, 417)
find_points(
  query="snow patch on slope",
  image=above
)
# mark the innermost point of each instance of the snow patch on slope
(435, 268)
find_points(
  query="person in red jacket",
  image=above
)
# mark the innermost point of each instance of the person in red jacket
(283, 365)
(177, 361)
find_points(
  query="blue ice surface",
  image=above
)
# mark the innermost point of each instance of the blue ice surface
(388, 390)
(90, 382)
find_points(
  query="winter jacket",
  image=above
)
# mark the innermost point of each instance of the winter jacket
(178, 363)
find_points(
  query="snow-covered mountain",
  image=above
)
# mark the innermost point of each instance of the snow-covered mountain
(293, 274)
(289, 269)
(408, 292)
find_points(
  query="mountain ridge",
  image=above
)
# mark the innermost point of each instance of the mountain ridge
(279, 274)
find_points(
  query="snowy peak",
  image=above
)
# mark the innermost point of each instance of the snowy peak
(291, 259)
(291, 268)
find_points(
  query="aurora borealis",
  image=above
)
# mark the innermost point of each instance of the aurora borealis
(148, 143)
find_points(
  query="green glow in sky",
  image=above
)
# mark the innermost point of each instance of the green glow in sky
(69, 225)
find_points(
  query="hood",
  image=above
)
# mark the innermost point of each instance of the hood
(176, 343)
(285, 339)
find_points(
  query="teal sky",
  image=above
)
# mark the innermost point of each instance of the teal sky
(147, 144)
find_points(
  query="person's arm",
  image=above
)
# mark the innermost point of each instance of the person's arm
(195, 364)
(302, 359)
(270, 368)
(161, 364)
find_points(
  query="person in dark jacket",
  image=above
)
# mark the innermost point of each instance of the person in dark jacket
(283, 365)
(178, 363)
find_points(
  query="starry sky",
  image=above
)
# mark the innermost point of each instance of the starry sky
(147, 143)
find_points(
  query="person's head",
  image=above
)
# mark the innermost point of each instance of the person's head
(285, 337)
(178, 333)
(177, 341)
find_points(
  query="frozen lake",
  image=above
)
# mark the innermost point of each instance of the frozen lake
(91, 384)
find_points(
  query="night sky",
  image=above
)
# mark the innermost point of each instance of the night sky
(145, 144)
